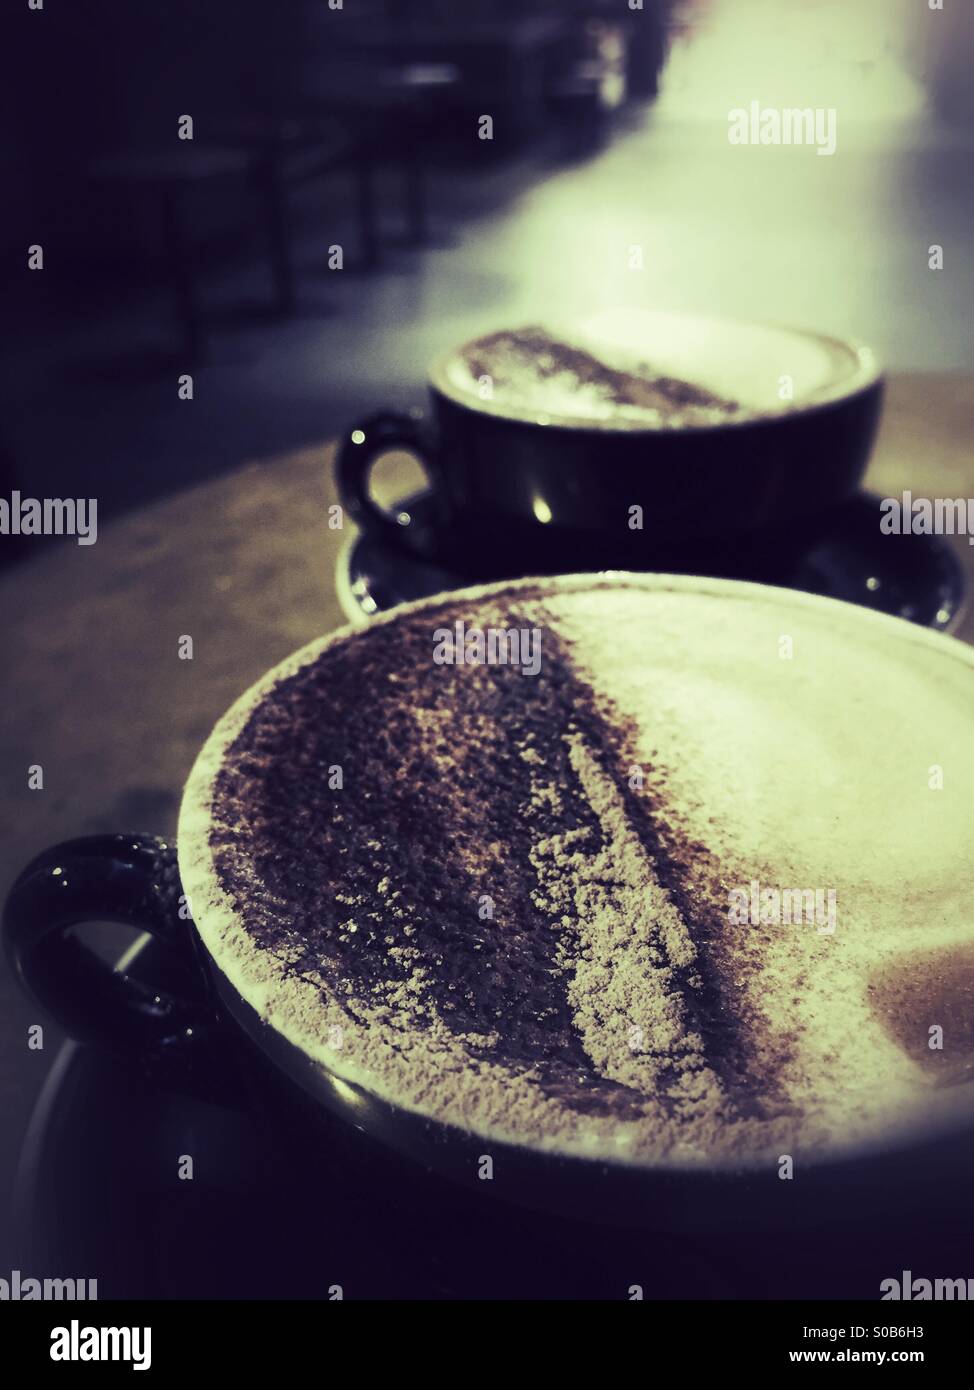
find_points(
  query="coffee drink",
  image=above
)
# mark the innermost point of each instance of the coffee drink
(644, 870)
(628, 368)
(631, 440)
(534, 371)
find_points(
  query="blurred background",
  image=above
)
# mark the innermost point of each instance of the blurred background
(337, 218)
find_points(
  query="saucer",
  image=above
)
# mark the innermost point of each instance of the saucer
(914, 577)
(99, 1195)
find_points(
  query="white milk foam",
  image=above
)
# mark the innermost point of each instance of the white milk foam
(803, 751)
(793, 743)
(755, 369)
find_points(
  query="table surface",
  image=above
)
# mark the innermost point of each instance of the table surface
(244, 565)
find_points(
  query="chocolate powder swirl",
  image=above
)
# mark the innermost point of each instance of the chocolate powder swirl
(535, 371)
(484, 840)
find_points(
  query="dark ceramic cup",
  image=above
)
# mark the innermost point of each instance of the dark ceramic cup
(189, 1029)
(518, 489)
(193, 1026)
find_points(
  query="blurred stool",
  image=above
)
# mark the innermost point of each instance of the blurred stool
(288, 152)
(171, 176)
(578, 107)
(396, 113)
(419, 93)
(588, 86)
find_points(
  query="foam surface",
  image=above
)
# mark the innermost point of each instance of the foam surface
(668, 751)
(654, 370)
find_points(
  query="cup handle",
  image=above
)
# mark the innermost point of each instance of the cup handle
(353, 465)
(131, 879)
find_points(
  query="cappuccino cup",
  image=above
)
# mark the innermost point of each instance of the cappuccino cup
(603, 879)
(630, 440)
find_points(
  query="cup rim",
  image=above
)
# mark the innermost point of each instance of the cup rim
(327, 1070)
(866, 375)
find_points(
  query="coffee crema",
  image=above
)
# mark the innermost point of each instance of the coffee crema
(507, 903)
(631, 368)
